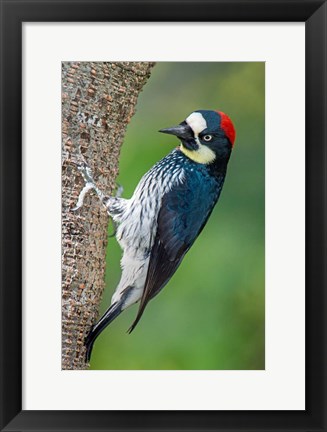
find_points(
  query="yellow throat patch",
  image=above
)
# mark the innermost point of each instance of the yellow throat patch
(202, 155)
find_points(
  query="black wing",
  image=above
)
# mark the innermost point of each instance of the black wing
(184, 212)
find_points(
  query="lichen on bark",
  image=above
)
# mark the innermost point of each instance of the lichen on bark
(98, 101)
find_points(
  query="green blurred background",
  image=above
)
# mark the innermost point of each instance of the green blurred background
(211, 314)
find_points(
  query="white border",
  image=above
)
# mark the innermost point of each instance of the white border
(281, 386)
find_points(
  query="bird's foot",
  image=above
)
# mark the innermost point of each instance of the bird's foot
(81, 196)
(86, 172)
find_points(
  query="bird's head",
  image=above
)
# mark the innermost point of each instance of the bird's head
(206, 136)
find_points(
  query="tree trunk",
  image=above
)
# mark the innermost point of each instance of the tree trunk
(98, 101)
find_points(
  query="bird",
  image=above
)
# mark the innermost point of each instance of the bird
(169, 208)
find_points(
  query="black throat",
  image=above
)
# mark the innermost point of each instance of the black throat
(218, 167)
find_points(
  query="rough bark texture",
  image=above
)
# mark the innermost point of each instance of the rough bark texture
(98, 101)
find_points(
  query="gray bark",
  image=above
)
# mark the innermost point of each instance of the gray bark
(98, 101)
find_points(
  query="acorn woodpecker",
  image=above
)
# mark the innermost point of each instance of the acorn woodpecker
(168, 210)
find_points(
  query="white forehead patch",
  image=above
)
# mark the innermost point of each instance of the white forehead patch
(197, 122)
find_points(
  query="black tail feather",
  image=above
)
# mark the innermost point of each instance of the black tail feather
(103, 322)
(137, 319)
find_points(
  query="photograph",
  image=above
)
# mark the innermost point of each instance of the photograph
(163, 199)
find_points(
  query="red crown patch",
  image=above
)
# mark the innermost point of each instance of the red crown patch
(227, 126)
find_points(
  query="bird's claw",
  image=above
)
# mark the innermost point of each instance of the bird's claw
(81, 196)
(86, 172)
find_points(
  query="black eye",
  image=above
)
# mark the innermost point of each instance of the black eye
(207, 138)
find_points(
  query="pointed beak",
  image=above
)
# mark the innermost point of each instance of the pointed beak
(181, 131)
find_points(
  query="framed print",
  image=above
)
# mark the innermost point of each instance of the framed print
(236, 340)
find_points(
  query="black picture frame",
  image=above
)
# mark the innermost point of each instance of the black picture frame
(13, 14)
